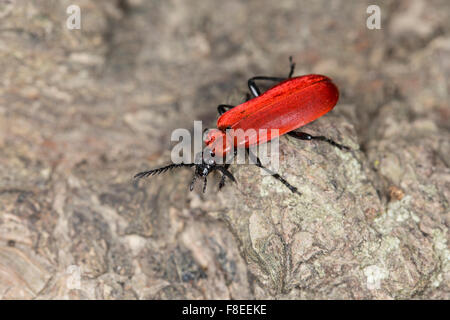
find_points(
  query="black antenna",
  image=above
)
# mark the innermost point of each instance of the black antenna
(153, 172)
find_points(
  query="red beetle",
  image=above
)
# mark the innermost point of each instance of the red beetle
(289, 105)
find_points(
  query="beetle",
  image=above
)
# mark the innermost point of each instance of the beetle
(290, 104)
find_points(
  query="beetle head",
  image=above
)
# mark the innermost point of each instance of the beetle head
(204, 162)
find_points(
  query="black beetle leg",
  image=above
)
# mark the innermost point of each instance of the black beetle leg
(254, 88)
(222, 108)
(307, 136)
(273, 174)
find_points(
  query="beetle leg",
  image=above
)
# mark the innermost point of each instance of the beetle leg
(222, 108)
(222, 182)
(306, 136)
(225, 174)
(191, 186)
(254, 88)
(291, 66)
(273, 174)
(205, 181)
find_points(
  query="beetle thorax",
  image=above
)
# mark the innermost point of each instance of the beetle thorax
(218, 142)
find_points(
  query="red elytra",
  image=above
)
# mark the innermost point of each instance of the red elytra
(287, 106)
